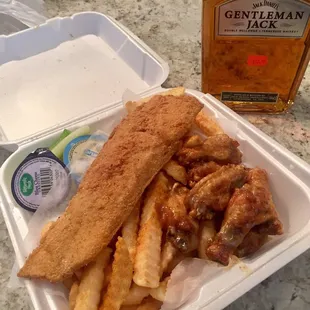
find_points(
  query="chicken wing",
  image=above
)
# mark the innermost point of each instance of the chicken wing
(213, 192)
(219, 148)
(252, 242)
(272, 227)
(258, 236)
(176, 221)
(249, 206)
(200, 170)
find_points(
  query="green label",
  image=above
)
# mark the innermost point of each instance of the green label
(26, 184)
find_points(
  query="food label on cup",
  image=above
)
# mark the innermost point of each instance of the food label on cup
(35, 176)
(81, 152)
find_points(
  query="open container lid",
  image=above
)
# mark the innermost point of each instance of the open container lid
(59, 85)
(10, 24)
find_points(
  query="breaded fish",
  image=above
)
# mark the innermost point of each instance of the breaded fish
(137, 149)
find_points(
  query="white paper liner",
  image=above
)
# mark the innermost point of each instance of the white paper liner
(186, 279)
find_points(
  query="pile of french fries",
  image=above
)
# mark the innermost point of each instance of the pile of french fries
(133, 272)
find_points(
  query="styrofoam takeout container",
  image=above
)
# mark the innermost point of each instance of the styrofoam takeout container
(73, 71)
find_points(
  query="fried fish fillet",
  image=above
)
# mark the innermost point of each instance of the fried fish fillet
(138, 148)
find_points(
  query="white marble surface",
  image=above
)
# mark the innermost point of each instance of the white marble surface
(172, 29)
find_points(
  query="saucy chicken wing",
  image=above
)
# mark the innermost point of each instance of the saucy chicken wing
(272, 227)
(249, 206)
(200, 170)
(219, 148)
(181, 228)
(258, 236)
(252, 242)
(213, 192)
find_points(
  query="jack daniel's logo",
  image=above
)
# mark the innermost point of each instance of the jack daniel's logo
(263, 18)
(265, 3)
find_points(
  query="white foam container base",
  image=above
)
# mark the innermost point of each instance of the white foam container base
(44, 84)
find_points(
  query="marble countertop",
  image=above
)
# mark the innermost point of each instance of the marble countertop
(173, 31)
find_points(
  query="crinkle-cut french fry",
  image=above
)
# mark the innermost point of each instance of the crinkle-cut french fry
(130, 230)
(176, 171)
(107, 275)
(208, 125)
(136, 295)
(159, 292)
(74, 291)
(91, 282)
(156, 194)
(167, 254)
(150, 304)
(122, 269)
(176, 92)
(46, 228)
(193, 141)
(112, 243)
(147, 260)
(132, 105)
(207, 233)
